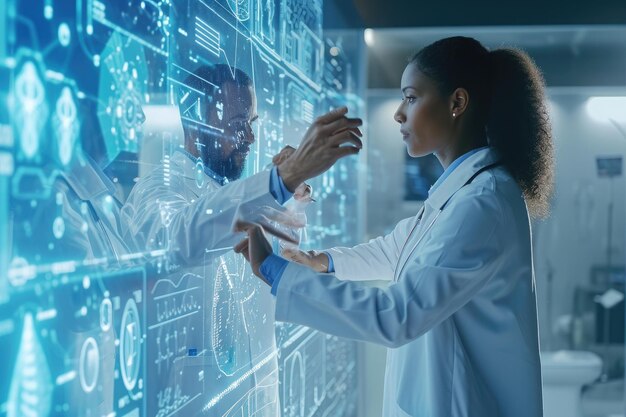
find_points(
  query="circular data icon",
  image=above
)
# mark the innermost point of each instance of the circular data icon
(64, 34)
(89, 365)
(106, 314)
(58, 227)
(295, 392)
(130, 345)
(199, 173)
(229, 338)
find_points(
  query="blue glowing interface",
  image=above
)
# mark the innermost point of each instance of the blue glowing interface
(116, 119)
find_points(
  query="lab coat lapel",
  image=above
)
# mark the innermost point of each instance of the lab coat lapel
(460, 176)
(425, 216)
(436, 202)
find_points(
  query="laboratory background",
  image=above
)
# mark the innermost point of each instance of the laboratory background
(96, 95)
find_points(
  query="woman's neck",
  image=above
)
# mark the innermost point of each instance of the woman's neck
(458, 148)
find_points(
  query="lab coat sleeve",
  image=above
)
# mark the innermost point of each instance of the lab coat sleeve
(374, 260)
(191, 230)
(459, 259)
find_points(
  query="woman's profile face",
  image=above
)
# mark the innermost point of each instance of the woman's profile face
(424, 114)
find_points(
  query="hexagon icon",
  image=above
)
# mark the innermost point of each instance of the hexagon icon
(121, 94)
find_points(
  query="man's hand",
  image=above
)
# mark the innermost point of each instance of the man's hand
(242, 248)
(304, 190)
(331, 137)
(313, 259)
(258, 248)
(284, 153)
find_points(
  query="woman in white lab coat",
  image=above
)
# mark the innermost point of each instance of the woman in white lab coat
(458, 310)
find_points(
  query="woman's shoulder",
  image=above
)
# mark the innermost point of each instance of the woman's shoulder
(494, 188)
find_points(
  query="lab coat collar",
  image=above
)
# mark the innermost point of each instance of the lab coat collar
(459, 177)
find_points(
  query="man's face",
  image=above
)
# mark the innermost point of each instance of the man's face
(225, 144)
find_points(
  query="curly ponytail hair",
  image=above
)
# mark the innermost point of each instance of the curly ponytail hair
(507, 90)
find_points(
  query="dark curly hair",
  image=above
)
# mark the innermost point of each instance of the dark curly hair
(507, 90)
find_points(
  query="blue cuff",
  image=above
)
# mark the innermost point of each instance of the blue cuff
(278, 188)
(272, 269)
(331, 264)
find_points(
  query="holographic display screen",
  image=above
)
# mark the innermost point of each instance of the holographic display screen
(115, 118)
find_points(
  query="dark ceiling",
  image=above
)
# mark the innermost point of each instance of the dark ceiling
(411, 13)
(574, 43)
(568, 55)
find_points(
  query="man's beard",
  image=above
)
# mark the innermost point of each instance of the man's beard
(231, 166)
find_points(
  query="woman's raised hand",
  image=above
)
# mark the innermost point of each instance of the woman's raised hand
(313, 259)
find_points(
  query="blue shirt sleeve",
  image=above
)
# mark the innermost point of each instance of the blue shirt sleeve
(331, 264)
(278, 188)
(272, 269)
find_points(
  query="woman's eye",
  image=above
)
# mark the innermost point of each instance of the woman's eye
(410, 99)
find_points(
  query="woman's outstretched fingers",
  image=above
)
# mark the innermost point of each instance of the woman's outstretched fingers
(313, 259)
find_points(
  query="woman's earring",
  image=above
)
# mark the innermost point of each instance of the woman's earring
(453, 114)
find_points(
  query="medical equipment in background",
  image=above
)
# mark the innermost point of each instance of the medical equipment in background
(611, 168)
(589, 327)
(564, 373)
(608, 300)
(596, 306)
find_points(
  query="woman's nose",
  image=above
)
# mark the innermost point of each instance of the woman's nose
(398, 116)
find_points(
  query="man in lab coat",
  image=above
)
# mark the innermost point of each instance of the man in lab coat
(188, 206)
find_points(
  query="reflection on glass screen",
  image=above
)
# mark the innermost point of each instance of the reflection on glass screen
(121, 114)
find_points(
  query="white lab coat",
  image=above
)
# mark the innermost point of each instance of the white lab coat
(458, 313)
(84, 198)
(102, 218)
(170, 209)
(187, 212)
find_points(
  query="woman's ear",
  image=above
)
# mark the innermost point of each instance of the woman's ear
(458, 102)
